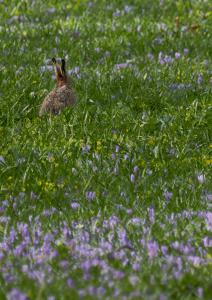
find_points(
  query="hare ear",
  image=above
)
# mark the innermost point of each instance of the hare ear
(54, 60)
(57, 68)
(63, 63)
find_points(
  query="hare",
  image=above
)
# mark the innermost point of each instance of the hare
(62, 95)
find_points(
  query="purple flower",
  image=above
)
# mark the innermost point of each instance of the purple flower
(113, 221)
(151, 213)
(200, 292)
(186, 51)
(133, 279)
(48, 238)
(127, 8)
(75, 205)
(70, 282)
(74, 71)
(46, 68)
(123, 66)
(117, 13)
(136, 266)
(118, 274)
(12, 235)
(15, 294)
(113, 156)
(168, 59)
(132, 178)
(209, 220)
(177, 55)
(18, 251)
(136, 221)
(86, 148)
(163, 297)
(100, 290)
(1, 255)
(201, 178)
(199, 79)
(2, 159)
(51, 10)
(117, 148)
(195, 260)
(122, 235)
(136, 169)
(175, 245)
(167, 195)
(164, 250)
(209, 196)
(207, 242)
(90, 195)
(152, 248)
(150, 56)
(158, 41)
(64, 264)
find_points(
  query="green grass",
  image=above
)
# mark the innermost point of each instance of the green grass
(160, 126)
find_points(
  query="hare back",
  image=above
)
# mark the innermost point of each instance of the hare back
(56, 100)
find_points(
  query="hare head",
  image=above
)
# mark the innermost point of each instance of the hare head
(60, 72)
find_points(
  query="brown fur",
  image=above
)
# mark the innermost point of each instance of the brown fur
(62, 95)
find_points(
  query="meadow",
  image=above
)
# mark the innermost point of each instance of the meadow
(110, 199)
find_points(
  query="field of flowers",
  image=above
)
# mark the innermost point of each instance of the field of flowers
(112, 198)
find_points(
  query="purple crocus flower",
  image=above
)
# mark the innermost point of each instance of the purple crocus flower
(15, 294)
(132, 178)
(164, 250)
(151, 213)
(100, 291)
(70, 282)
(199, 79)
(186, 51)
(113, 156)
(127, 8)
(90, 195)
(136, 221)
(167, 195)
(18, 251)
(86, 148)
(177, 55)
(152, 248)
(208, 197)
(168, 59)
(201, 178)
(2, 160)
(209, 220)
(117, 13)
(113, 221)
(122, 66)
(1, 255)
(75, 205)
(48, 238)
(150, 56)
(200, 292)
(117, 148)
(207, 242)
(133, 280)
(135, 169)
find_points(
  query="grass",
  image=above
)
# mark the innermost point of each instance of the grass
(112, 198)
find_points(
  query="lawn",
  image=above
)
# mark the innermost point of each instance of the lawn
(112, 198)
